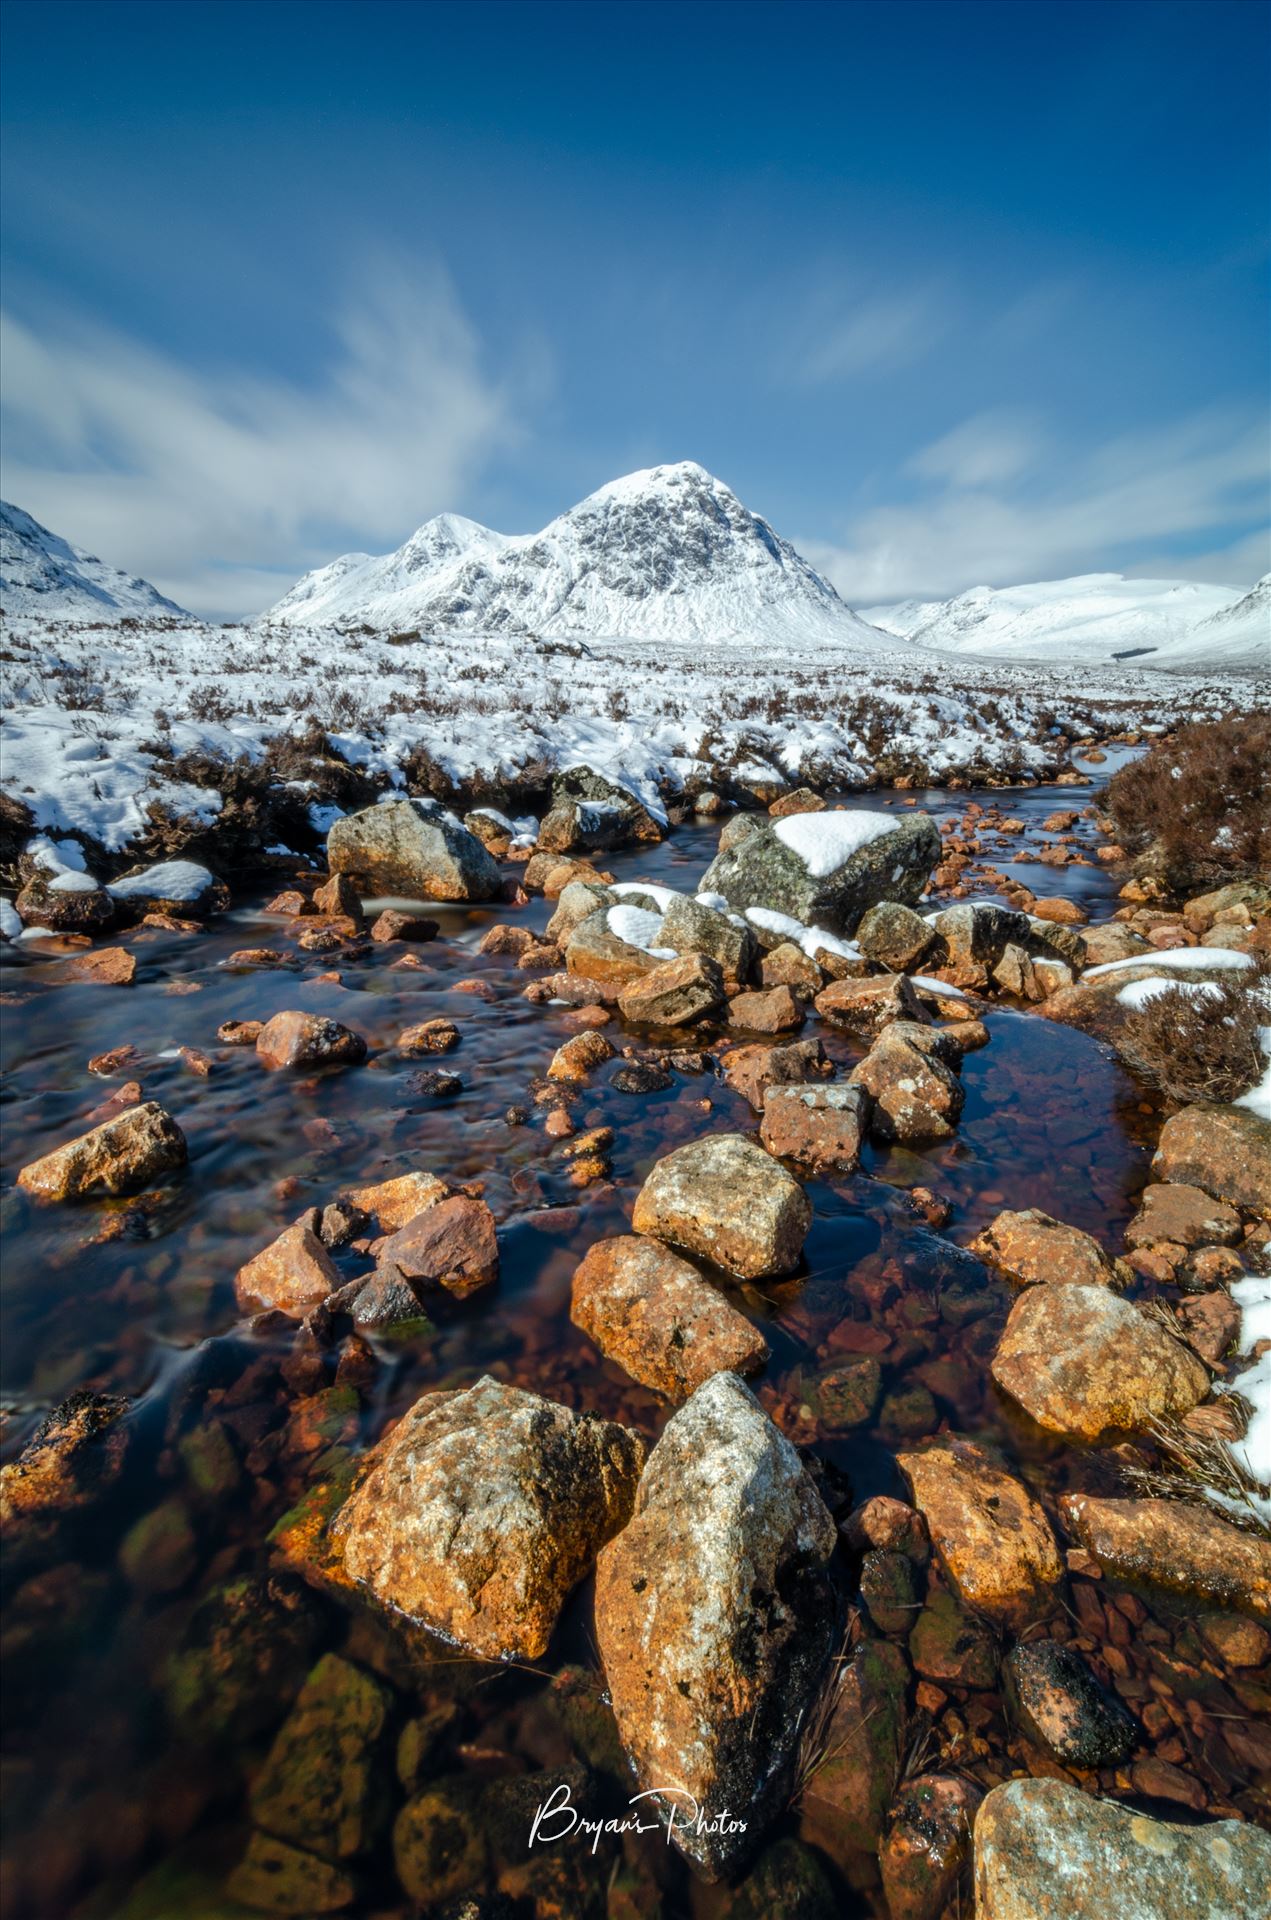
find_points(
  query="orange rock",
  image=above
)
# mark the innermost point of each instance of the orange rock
(120, 1156)
(773, 1011)
(308, 1040)
(1031, 1248)
(653, 1313)
(430, 1036)
(451, 1244)
(292, 1275)
(392, 1203)
(107, 967)
(580, 1056)
(989, 1534)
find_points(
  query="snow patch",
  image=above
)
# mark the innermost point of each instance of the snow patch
(824, 841)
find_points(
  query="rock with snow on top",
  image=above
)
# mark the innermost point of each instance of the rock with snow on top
(827, 869)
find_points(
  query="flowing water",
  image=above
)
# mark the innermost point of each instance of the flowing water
(122, 1796)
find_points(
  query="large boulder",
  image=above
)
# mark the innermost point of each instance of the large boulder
(590, 811)
(1226, 1151)
(66, 902)
(714, 1621)
(654, 1314)
(1173, 1544)
(989, 1534)
(120, 1156)
(728, 1201)
(484, 1509)
(826, 869)
(415, 848)
(1046, 1851)
(180, 887)
(1084, 1362)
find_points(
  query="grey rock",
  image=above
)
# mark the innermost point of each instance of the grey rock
(762, 871)
(415, 848)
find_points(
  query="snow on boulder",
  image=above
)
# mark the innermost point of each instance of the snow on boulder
(826, 869)
(173, 886)
(415, 848)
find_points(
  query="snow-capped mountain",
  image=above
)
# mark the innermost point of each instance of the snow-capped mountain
(1100, 619)
(669, 553)
(43, 574)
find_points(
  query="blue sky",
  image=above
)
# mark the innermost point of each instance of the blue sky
(951, 293)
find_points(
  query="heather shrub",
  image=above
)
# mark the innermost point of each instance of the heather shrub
(1201, 1042)
(1201, 801)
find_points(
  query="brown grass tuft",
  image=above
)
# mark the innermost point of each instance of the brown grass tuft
(1201, 801)
(1201, 1046)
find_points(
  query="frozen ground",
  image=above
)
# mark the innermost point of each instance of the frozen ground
(101, 718)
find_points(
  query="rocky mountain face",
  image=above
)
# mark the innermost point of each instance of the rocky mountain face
(40, 573)
(669, 553)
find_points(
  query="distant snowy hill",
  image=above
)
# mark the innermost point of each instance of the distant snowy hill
(669, 553)
(1097, 619)
(43, 574)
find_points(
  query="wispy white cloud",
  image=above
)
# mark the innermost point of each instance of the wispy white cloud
(221, 486)
(845, 331)
(998, 504)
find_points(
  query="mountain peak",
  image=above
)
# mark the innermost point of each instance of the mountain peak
(668, 552)
(40, 573)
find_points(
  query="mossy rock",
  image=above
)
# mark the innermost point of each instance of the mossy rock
(274, 1877)
(787, 1882)
(210, 1462)
(439, 1843)
(159, 1552)
(846, 1395)
(245, 1652)
(950, 1646)
(324, 1786)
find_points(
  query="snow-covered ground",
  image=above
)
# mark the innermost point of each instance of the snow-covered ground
(659, 632)
(100, 718)
(1098, 618)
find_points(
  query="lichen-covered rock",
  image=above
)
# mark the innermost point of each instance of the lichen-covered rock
(599, 947)
(864, 1746)
(868, 1005)
(675, 993)
(928, 1839)
(415, 848)
(654, 1314)
(826, 869)
(321, 1786)
(391, 1203)
(774, 1010)
(1060, 1706)
(120, 1156)
(1047, 1851)
(989, 1534)
(1226, 1151)
(690, 927)
(291, 1275)
(295, 1039)
(895, 936)
(451, 1244)
(910, 1075)
(713, 1619)
(484, 1509)
(1172, 1544)
(1032, 1249)
(71, 1463)
(728, 1201)
(275, 1877)
(1084, 1362)
(611, 813)
(974, 938)
(576, 903)
(1183, 1215)
(820, 1127)
(751, 1070)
